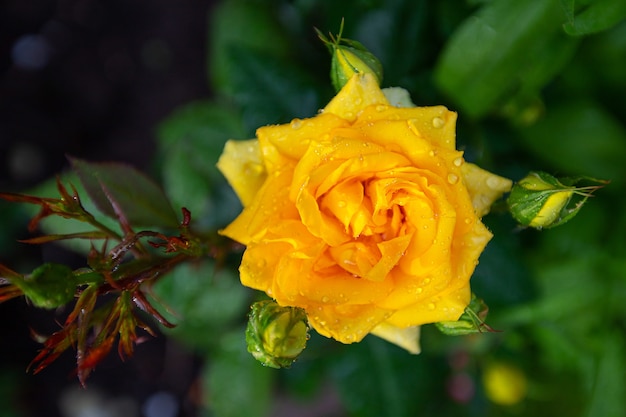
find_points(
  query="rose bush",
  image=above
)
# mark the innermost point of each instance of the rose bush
(366, 215)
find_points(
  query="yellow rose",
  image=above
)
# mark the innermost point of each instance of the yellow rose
(361, 215)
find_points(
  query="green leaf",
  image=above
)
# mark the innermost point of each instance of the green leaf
(190, 143)
(241, 23)
(115, 186)
(372, 378)
(204, 299)
(608, 386)
(393, 33)
(235, 384)
(501, 278)
(486, 62)
(580, 137)
(271, 91)
(594, 17)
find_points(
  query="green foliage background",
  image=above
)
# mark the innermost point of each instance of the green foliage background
(538, 85)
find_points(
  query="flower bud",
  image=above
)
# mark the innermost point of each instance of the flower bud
(349, 58)
(471, 321)
(540, 200)
(276, 335)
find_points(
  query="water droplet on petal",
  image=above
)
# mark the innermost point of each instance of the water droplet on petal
(438, 122)
(431, 306)
(458, 161)
(432, 153)
(381, 108)
(324, 299)
(296, 124)
(453, 178)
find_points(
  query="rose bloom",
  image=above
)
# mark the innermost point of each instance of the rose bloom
(366, 215)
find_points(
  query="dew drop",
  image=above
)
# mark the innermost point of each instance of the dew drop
(438, 122)
(341, 204)
(426, 281)
(381, 108)
(419, 290)
(468, 220)
(453, 178)
(296, 124)
(324, 299)
(432, 153)
(458, 162)
(431, 306)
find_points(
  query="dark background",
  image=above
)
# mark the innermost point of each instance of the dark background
(90, 79)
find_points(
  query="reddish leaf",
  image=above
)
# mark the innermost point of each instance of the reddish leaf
(9, 291)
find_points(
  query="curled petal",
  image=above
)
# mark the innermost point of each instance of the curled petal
(407, 338)
(242, 166)
(484, 187)
(361, 91)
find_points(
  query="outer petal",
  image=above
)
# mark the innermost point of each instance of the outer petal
(447, 306)
(407, 338)
(292, 140)
(271, 206)
(433, 125)
(242, 166)
(484, 187)
(346, 323)
(361, 91)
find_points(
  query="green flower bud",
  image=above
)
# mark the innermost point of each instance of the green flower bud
(540, 200)
(276, 335)
(349, 58)
(471, 321)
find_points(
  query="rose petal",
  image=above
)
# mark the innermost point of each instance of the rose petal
(407, 338)
(242, 166)
(484, 187)
(360, 91)
(346, 323)
(447, 306)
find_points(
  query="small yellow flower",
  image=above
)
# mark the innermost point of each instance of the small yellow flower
(504, 383)
(365, 216)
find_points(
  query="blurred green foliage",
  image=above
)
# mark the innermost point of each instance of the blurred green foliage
(539, 85)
